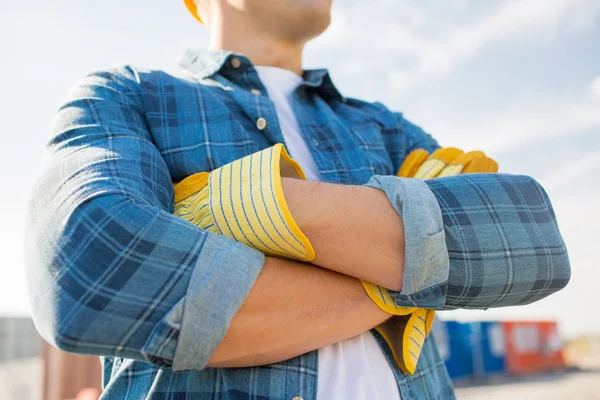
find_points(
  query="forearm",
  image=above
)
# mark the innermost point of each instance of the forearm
(353, 229)
(292, 309)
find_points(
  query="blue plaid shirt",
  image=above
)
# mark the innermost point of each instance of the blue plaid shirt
(112, 272)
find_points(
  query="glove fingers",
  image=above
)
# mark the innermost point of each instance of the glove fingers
(481, 165)
(382, 298)
(412, 162)
(429, 321)
(414, 338)
(406, 335)
(457, 165)
(437, 162)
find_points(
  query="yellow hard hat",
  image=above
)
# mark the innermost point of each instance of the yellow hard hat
(191, 6)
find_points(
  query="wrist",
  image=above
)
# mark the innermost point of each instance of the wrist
(305, 201)
(353, 229)
(319, 208)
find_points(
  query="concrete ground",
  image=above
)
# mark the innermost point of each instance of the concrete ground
(571, 384)
(21, 379)
(581, 382)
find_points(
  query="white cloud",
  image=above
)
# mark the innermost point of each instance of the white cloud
(432, 41)
(409, 47)
(440, 56)
(542, 115)
(563, 175)
(594, 88)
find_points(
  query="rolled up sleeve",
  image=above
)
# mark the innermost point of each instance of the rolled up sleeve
(426, 260)
(220, 281)
(477, 241)
(504, 243)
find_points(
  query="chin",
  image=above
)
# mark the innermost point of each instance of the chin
(323, 3)
(316, 21)
(323, 24)
(307, 29)
(304, 19)
(322, 7)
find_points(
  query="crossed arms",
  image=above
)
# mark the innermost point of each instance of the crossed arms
(112, 272)
(319, 305)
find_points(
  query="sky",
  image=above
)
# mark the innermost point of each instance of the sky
(519, 79)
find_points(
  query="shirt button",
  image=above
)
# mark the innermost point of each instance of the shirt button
(297, 398)
(261, 123)
(255, 92)
(235, 62)
(315, 142)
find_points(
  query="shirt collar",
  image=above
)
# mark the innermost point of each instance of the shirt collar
(205, 63)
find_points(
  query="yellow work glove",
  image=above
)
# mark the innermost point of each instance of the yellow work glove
(406, 332)
(244, 200)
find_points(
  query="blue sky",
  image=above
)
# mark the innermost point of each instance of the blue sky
(519, 79)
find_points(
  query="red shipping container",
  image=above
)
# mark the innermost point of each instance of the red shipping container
(66, 375)
(532, 347)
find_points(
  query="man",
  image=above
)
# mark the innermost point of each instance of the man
(177, 311)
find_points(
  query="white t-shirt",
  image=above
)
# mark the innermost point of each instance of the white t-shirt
(355, 368)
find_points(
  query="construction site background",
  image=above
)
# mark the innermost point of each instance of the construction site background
(30, 369)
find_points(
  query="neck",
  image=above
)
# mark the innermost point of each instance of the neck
(259, 48)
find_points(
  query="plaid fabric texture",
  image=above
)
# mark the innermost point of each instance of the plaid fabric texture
(112, 272)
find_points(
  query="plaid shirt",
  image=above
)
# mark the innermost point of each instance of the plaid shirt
(112, 272)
